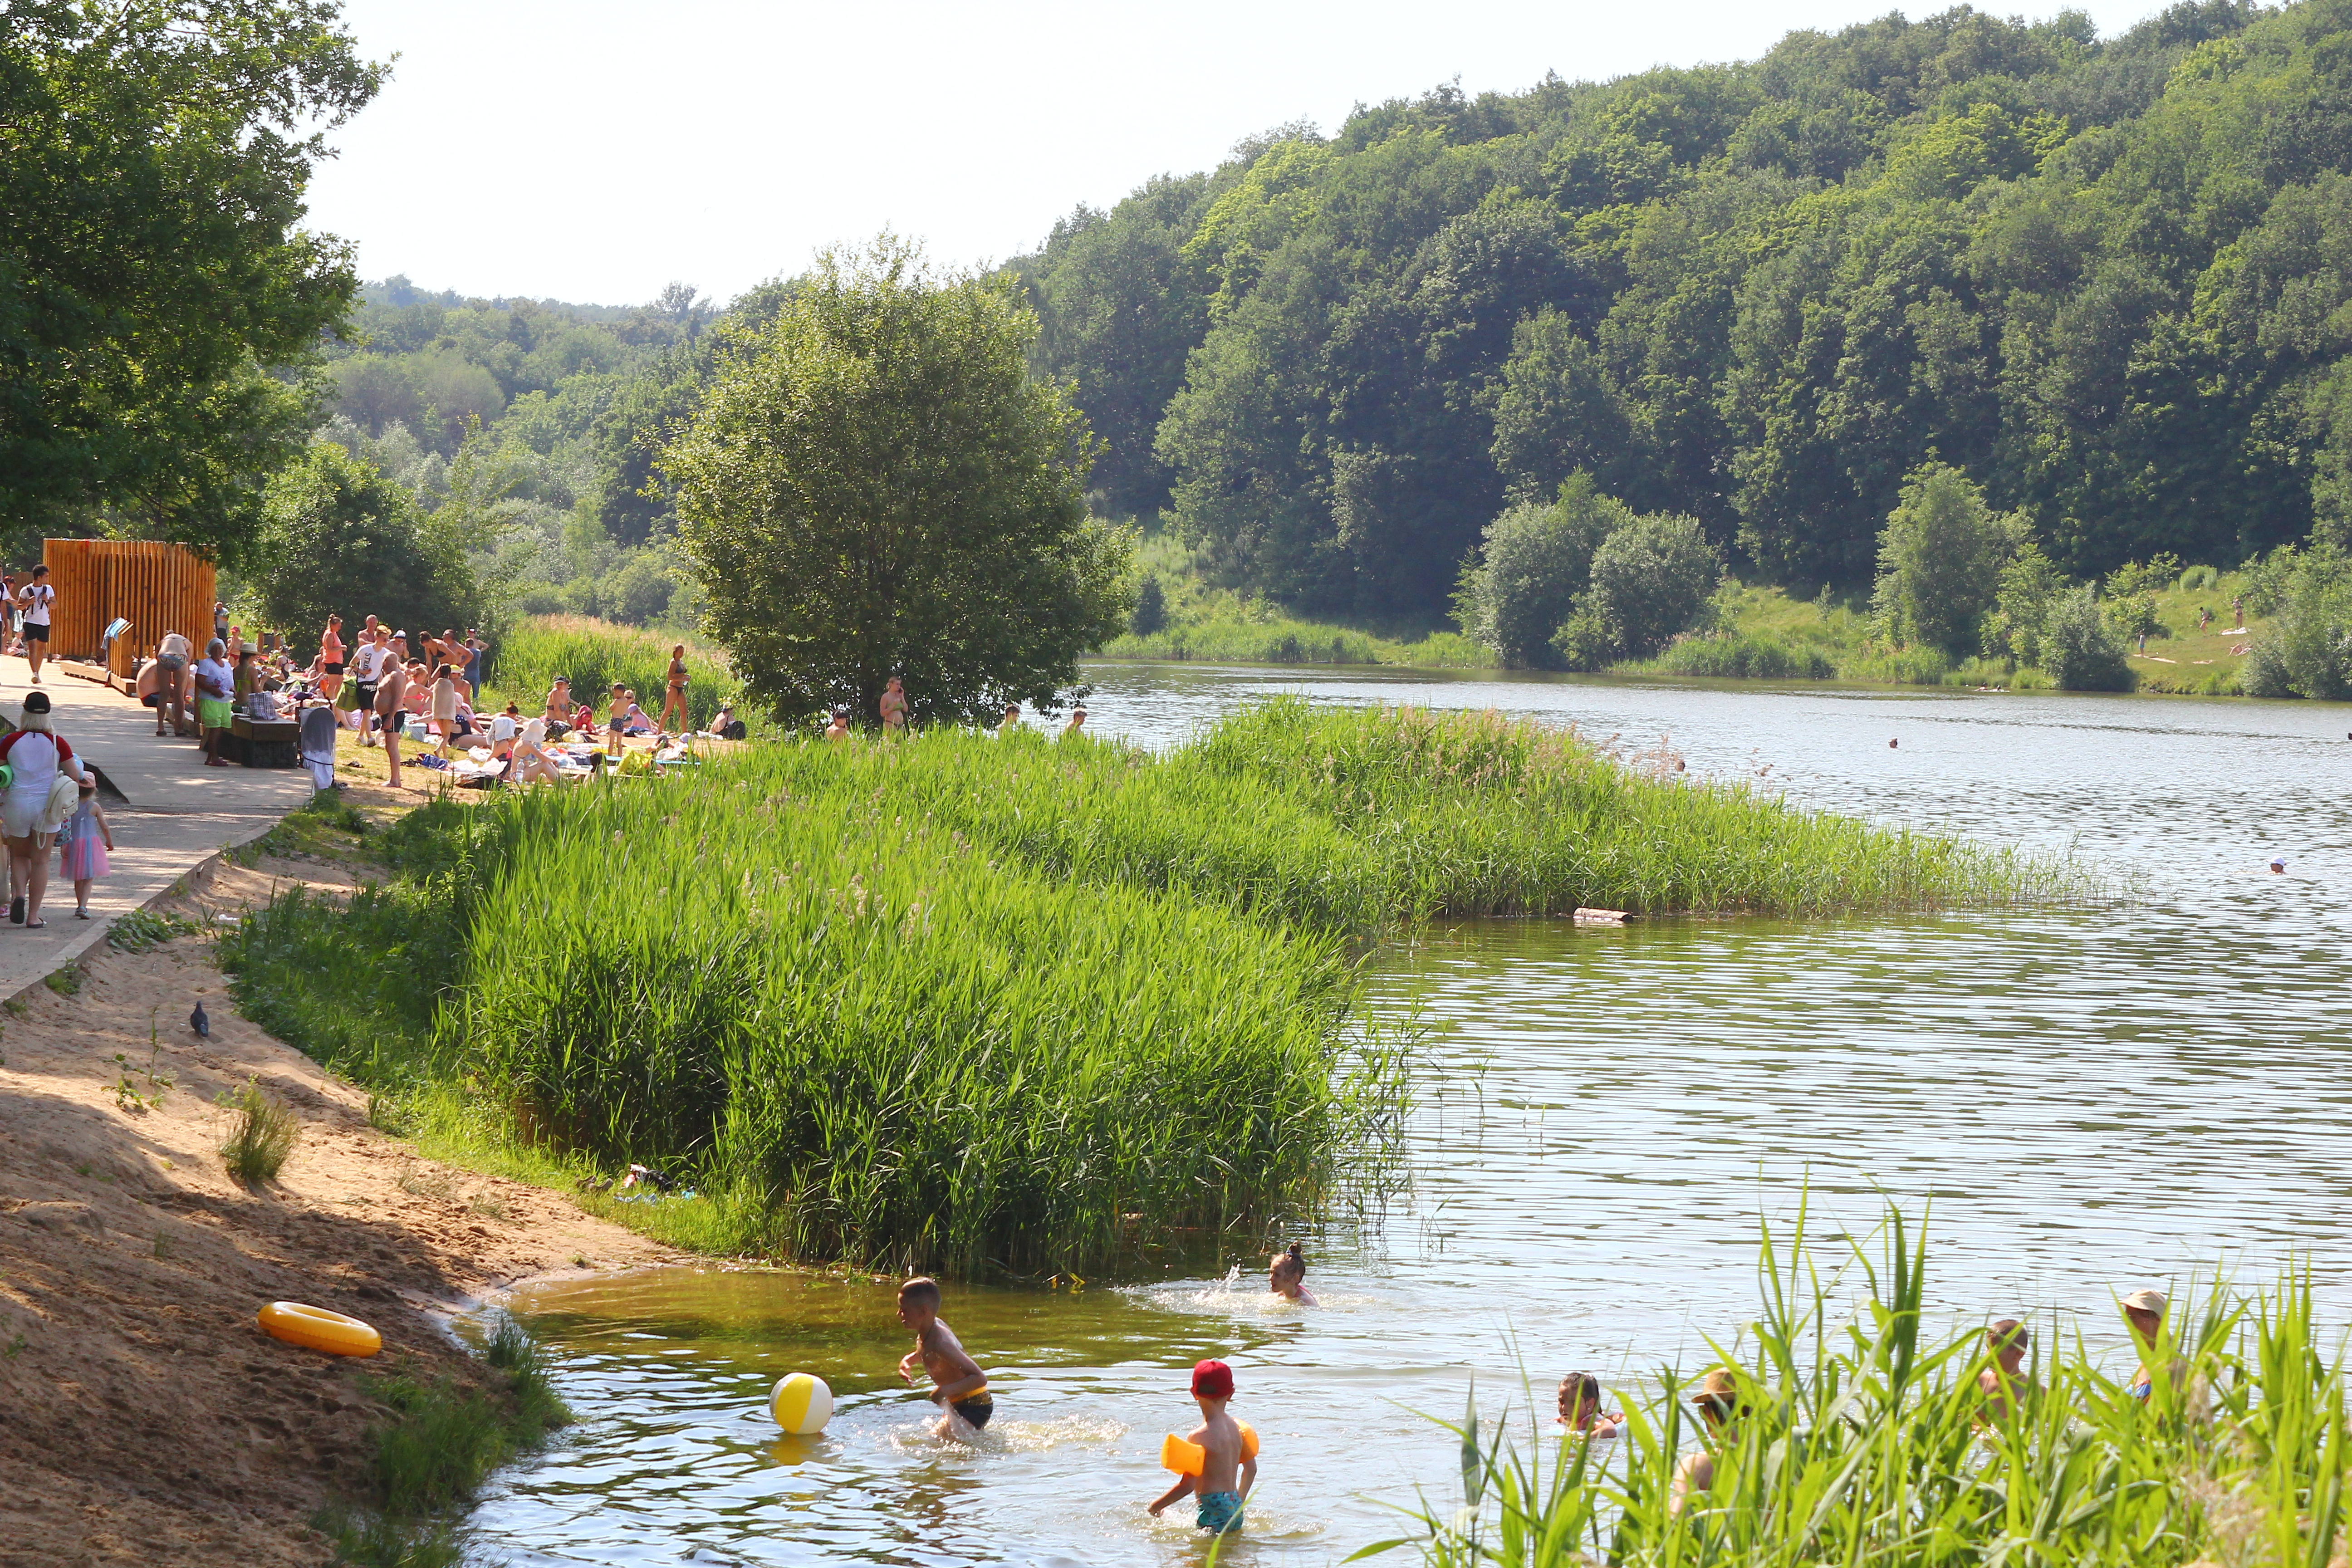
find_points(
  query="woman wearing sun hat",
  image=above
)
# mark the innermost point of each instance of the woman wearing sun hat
(1717, 1402)
(2144, 1310)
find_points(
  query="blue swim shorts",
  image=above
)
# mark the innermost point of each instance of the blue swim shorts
(1221, 1511)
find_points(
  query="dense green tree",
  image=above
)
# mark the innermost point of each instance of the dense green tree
(874, 484)
(1653, 578)
(154, 284)
(1940, 561)
(338, 537)
(2080, 649)
(1533, 562)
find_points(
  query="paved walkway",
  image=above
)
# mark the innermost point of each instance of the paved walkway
(174, 813)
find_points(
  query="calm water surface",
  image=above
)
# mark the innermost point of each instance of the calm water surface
(2091, 1101)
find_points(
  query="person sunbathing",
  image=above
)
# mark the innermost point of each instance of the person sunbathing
(533, 760)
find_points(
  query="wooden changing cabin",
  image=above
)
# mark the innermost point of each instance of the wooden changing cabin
(156, 587)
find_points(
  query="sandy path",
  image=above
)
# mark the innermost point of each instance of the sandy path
(143, 1416)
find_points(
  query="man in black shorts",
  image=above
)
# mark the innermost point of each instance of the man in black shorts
(366, 663)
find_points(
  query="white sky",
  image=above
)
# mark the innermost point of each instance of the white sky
(592, 150)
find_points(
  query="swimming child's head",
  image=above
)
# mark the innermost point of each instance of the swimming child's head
(919, 1301)
(1212, 1380)
(1580, 1394)
(1289, 1269)
(2008, 1339)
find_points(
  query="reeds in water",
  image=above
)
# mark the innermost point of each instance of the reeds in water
(1864, 1444)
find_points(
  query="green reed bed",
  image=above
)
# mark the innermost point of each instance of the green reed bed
(1864, 1443)
(1476, 814)
(967, 1004)
(595, 654)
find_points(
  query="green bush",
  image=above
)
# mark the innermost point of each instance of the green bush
(2198, 577)
(1653, 577)
(2079, 649)
(1533, 562)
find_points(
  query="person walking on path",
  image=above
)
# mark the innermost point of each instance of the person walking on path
(676, 696)
(36, 758)
(216, 702)
(37, 598)
(83, 845)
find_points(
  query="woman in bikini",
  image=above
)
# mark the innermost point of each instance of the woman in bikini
(675, 697)
(894, 707)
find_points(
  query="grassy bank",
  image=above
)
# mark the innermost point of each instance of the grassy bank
(1861, 1441)
(595, 654)
(1767, 635)
(978, 1005)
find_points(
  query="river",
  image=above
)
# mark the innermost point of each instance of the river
(2089, 1100)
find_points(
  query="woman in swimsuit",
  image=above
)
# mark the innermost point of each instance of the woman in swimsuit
(894, 707)
(676, 699)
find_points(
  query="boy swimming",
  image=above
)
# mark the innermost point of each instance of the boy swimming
(957, 1385)
(1223, 1455)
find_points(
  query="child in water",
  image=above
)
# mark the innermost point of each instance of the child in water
(1580, 1408)
(1219, 1438)
(1288, 1277)
(957, 1385)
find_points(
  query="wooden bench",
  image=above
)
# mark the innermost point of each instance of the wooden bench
(263, 743)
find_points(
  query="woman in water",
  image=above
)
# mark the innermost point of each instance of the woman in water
(675, 697)
(2144, 1310)
(1288, 1277)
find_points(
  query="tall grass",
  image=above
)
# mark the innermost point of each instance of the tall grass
(261, 1135)
(961, 1002)
(1284, 641)
(1745, 655)
(1476, 814)
(594, 654)
(1864, 1444)
(893, 1046)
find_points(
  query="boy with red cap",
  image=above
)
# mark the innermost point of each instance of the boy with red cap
(1223, 1455)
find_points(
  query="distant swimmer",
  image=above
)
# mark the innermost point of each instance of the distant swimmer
(1288, 1277)
(2004, 1383)
(2278, 865)
(1892, 745)
(1580, 1408)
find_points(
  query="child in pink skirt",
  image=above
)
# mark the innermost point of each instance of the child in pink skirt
(83, 843)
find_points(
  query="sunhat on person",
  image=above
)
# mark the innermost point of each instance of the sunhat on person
(2145, 1301)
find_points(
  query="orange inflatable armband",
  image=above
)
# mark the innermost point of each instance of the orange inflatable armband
(1187, 1458)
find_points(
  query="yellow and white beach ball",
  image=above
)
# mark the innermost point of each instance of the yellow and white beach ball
(802, 1402)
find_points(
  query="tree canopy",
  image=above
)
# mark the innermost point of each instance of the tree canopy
(873, 484)
(155, 287)
(2106, 279)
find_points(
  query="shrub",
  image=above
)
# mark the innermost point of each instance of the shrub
(1653, 576)
(1534, 562)
(2309, 652)
(261, 1135)
(1939, 560)
(2198, 577)
(2079, 649)
(2136, 579)
(2269, 579)
(1151, 612)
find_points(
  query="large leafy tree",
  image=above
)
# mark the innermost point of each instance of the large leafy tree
(155, 285)
(338, 537)
(876, 485)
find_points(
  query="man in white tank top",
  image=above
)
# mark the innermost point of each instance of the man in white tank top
(37, 598)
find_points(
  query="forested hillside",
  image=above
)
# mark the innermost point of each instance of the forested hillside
(2108, 279)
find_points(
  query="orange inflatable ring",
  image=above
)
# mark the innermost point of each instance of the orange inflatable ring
(1186, 1458)
(315, 1328)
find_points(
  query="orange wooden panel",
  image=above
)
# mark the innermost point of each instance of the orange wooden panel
(156, 587)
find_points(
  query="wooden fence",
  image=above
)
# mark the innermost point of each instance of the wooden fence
(157, 588)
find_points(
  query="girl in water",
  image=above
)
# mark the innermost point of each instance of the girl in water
(1288, 1277)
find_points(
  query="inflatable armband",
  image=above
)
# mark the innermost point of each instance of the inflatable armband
(1187, 1458)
